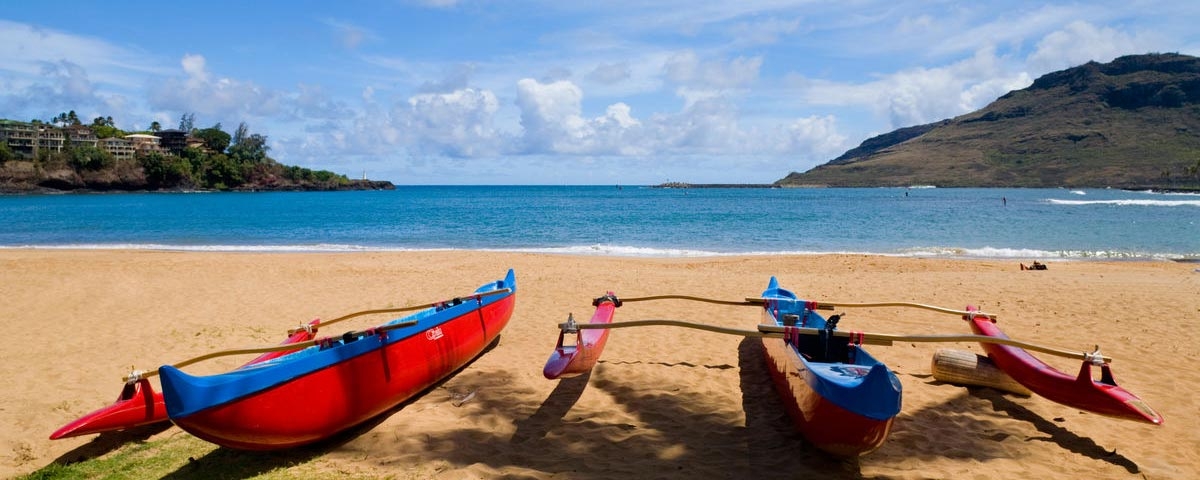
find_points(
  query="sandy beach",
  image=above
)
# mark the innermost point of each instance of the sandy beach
(663, 402)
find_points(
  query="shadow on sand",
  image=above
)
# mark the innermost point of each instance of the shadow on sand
(1057, 435)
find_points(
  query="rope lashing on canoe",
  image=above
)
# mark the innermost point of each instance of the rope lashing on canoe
(812, 305)
(885, 339)
(323, 342)
(309, 328)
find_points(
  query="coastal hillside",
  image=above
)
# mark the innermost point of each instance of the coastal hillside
(1131, 123)
(65, 155)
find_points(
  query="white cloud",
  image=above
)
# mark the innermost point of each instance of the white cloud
(910, 25)
(813, 137)
(47, 71)
(200, 92)
(921, 95)
(313, 102)
(455, 77)
(193, 66)
(763, 32)
(686, 68)
(457, 124)
(26, 48)
(609, 73)
(1081, 42)
(551, 116)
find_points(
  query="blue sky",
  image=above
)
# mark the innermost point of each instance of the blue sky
(561, 92)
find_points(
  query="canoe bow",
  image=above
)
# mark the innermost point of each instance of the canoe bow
(139, 405)
(572, 360)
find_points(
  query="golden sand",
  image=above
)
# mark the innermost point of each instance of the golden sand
(663, 402)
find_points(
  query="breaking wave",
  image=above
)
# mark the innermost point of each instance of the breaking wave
(634, 251)
(1129, 202)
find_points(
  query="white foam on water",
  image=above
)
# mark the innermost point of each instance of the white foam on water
(633, 251)
(1129, 202)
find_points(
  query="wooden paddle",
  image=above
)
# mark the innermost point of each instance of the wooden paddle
(775, 331)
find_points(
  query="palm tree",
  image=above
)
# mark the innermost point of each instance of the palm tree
(155, 126)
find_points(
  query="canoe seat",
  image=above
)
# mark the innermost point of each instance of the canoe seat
(816, 348)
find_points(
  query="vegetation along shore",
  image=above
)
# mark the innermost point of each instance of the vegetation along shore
(63, 154)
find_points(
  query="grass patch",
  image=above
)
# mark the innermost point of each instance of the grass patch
(184, 456)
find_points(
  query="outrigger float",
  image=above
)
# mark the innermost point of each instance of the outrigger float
(840, 398)
(312, 389)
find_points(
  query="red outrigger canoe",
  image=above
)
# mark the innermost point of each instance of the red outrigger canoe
(139, 405)
(1103, 397)
(343, 381)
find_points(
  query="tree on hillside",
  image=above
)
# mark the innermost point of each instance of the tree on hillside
(166, 171)
(155, 126)
(247, 147)
(186, 121)
(214, 138)
(252, 149)
(5, 153)
(66, 118)
(104, 127)
(241, 133)
(89, 158)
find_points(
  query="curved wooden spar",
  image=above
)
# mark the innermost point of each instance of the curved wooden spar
(296, 346)
(413, 308)
(814, 305)
(138, 375)
(861, 337)
(922, 306)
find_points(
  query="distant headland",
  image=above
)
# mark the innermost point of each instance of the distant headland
(63, 154)
(1133, 123)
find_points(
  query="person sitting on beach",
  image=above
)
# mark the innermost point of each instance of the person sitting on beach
(1036, 266)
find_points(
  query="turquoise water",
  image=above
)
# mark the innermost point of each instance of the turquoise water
(1002, 223)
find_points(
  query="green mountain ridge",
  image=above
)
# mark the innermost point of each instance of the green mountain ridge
(1130, 123)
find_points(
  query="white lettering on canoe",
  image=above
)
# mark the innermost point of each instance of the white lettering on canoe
(434, 333)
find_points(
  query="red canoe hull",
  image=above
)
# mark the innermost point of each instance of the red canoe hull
(573, 360)
(139, 405)
(826, 425)
(1103, 397)
(327, 401)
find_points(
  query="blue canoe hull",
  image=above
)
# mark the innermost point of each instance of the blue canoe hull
(839, 397)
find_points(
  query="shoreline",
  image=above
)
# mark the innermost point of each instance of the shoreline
(616, 251)
(692, 404)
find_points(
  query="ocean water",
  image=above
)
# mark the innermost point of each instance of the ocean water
(626, 220)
